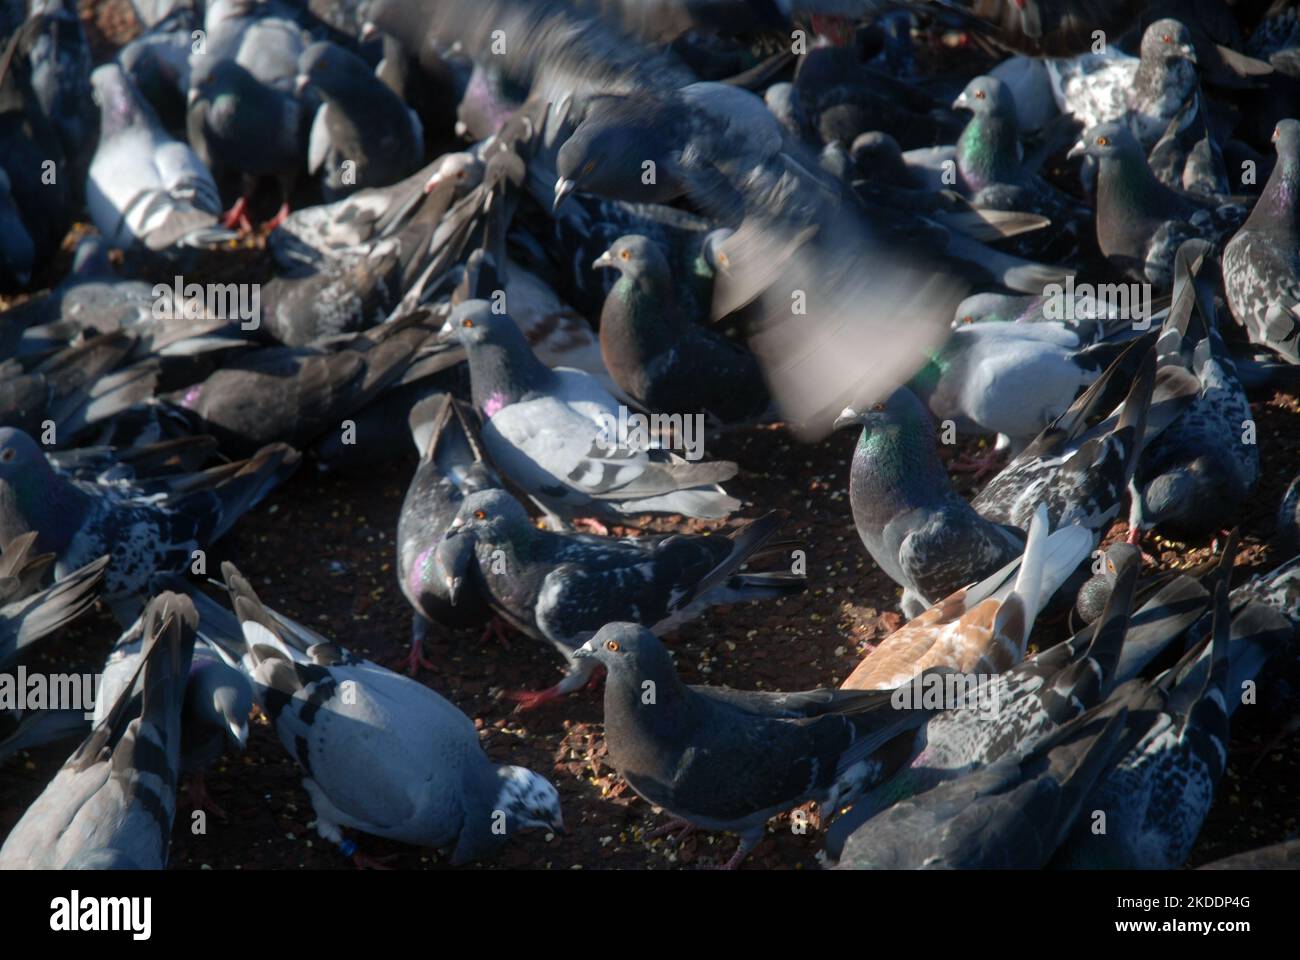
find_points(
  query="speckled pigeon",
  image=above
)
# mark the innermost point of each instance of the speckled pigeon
(563, 587)
(1158, 789)
(1141, 223)
(1096, 88)
(1005, 712)
(914, 524)
(731, 760)
(144, 187)
(1261, 263)
(451, 468)
(1012, 814)
(145, 531)
(555, 433)
(111, 805)
(381, 753)
(657, 356)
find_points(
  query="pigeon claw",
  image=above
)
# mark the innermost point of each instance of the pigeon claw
(237, 217)
(532, 699)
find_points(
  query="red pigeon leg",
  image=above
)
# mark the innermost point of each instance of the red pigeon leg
(237, 216)
(280, 216)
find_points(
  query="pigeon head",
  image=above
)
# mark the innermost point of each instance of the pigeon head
(985, 96)
(32, 495)
(1176, 500)
(119, 104)
(330, 69)
(1112, 140)
(489, 518)
(20, 456)
(637, 258)
(899, 409)
(1167, 40)
(877, 156)
(1286, 139)
(991, 307)
(219, 696)
(460, 171)
(630, 653)
(502, 366)
(529, 799)
(606, 152)
(217, 79)
(713, 251)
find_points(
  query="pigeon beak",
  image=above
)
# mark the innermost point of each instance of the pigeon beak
(1078, 150)
(961, 103)
(563, 188)
(368, 31)
(1188, 52)
(239, 730)
(432, 183)
(584, 652)
(848, 417)
(602, 262)
(452, 559)
(301, 83)
(191, 96)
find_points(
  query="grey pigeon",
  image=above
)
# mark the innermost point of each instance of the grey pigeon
(1278, 856)
(563, 587)
(1261, 263)
(731, 760)
(363, 135)
(1141, 223)
(158, 63)
(381, 753)
(1096, 88)
(143, 532)
(1187, 157)
(1190, 478)
(144, 187)
(1079, 471)
(112, 804)
(1012, 814)
(914, 525)
(1158, 790)
(556, 433)
(657, 356)
(451, 468)
(27, 612)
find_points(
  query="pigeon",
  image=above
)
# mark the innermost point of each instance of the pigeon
(1011, 814)
(564, 587)
(158, 63)
(1191, 477)
(296, 394)
(1010, 379)
(1141, 223)
(1097, 88)
(1048, 28)
(1080, 472)
(730, 759)
(362, 134)
(658, 357)
(914, 525)
(27, 612)
(144, 188)
(243, 115)
(1261, 263)
(995, 714)
(144, 530)
(556, 433)
(451, 468)
(1187, 157)
(1096, 590)
(381, 753)
(984, 627)
(59, 58)
(111, 804)
(1155, 794)
(990, 171)
(17, 249)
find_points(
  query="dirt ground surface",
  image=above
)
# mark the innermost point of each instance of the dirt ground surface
(321, 549)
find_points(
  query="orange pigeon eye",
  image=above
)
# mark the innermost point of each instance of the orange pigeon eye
(878, 407)
(1167, 38)
(9, 454)
(1103, 141)
(625, 254)
(589, 166)
(480, 514)
(967, 319)
(612, 646)
(467, 322)
(979, 94)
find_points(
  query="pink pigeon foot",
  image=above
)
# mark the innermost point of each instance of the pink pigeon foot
(280, 216)
(237, 216)
(985, 463)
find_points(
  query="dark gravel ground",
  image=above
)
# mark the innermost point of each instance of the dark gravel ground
(321, 549)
